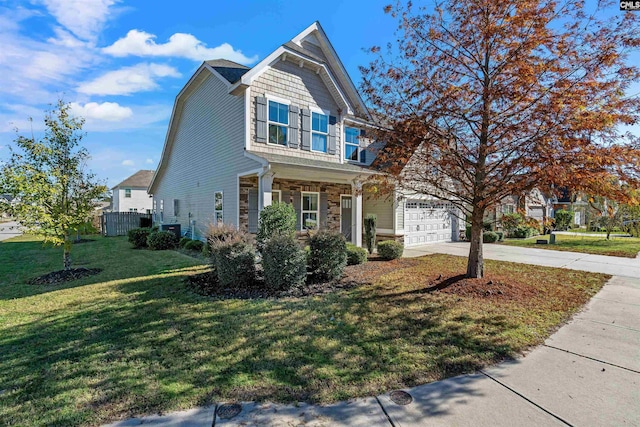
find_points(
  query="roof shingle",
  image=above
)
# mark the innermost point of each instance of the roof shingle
(142, 178)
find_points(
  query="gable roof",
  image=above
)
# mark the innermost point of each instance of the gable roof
(232, 71)
(142, 178)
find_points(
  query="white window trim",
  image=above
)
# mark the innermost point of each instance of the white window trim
(215, 211)
(279, 199)
(324, 113)
(303, 211)
(344, 134)
(130, 193)
(269, 122)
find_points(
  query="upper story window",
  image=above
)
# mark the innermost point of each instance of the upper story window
(127, 193)
(351, 144)
(319, 132)
(278, 123)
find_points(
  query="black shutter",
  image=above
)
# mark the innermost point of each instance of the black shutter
(261, 119)
(331, 145)
(306, 129)
(324, 210)
(294, 120)
(297, 206)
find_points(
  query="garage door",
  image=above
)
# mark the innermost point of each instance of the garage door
(426, 222)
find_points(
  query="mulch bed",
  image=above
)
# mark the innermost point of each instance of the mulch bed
(61, 276)
(490, 287)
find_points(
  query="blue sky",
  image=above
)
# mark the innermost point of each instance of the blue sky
(121, 63)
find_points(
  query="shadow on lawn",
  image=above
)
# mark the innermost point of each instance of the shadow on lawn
(159, 347)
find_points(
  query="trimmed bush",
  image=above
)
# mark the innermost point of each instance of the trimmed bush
(162, 240)
(184, 241)
(194, 245)
(356, 255)
(232, 256)
(328, 255)
(283, 262)
(390, 249)
(138, 237)
(563, 219)
(524, 232)
(276, 219)
(370, 232)
(500, 236)
(489, 237)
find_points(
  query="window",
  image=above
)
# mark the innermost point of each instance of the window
(351, 144)
(176, 207)
(278, 122)
(276, 196)
(217, 209)
(310, 211)
(508, 209)
(161, 210)
(319, 131)
(133, 209)
(127, 193)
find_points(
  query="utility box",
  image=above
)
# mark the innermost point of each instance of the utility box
(552, 239)
(174, 228)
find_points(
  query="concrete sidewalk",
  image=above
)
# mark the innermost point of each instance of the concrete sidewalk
(615, 266)
(587, 373)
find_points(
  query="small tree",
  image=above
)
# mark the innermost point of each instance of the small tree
(510, 222)
(609, 213)
(370, 232)
(52, 193)
(563, 219)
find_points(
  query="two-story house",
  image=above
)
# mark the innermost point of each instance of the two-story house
(131, 194)
(292, 129)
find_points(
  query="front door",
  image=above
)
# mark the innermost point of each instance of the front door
(346, 206)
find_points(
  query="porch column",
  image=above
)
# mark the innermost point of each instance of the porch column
(356, 213)
(265, 183)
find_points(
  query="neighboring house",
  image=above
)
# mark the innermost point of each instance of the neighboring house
(131, 194)
(534, 204)
(291, 129)
(572, 201)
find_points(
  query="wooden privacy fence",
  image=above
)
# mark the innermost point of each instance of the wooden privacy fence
(119, 223)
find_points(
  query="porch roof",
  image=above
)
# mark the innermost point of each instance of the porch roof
(312, 163)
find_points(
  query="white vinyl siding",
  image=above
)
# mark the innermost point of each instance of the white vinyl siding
(138, 199)
(207, 154)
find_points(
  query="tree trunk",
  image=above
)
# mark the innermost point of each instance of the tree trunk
(66, 257)
(475, 263)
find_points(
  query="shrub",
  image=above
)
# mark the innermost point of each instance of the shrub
(510, 222)
(284, 263)
(467, 232)
(232, 256)
(356, 255)
(390, 249)
(489, 237)
(524, 232)
(184, 241)
(533, 224)
(276, 219)
(370, 232)
(138, 237)
(194, 245)
(500, 236)
(563, 219)
(328, 255)
(162, 240)
(487, 225)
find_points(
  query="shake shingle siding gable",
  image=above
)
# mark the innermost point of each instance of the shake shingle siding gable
(206, 155)
(305, 89)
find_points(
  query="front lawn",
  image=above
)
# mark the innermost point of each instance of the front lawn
(617, 246)
(134, 339)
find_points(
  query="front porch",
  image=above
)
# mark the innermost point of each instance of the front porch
(335, 206)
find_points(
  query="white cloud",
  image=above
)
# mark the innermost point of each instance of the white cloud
(128, 163)
(148, 161)
(84, 18)
(108, 111)
(128, 80)
(140, 43)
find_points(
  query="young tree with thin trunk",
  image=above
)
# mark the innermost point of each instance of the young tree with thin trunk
(53, 195)
(485, 99)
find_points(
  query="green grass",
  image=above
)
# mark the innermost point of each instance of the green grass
(617, 246)
(135, 340)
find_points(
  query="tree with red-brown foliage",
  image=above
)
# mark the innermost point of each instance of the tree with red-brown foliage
(489, 98)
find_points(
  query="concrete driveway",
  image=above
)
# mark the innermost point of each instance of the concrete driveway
(9, 230)
(618, 266)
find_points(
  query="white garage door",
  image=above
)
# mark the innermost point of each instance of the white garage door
(426, 222)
